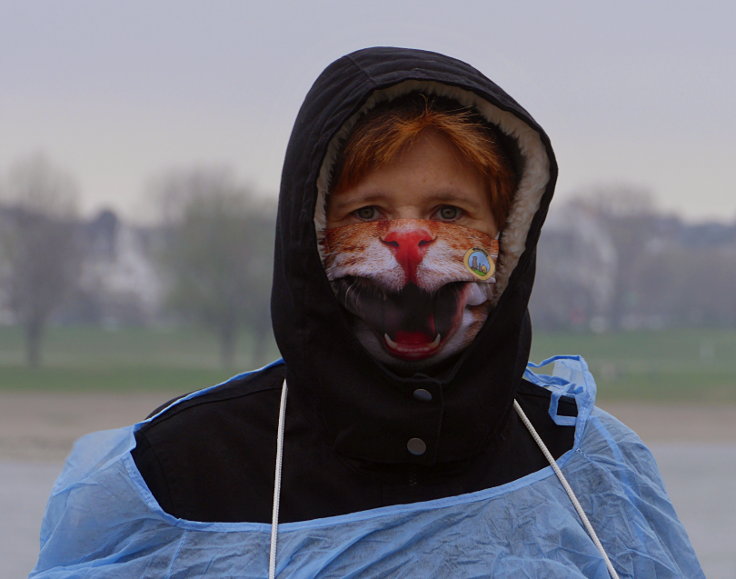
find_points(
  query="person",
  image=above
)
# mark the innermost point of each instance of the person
(403, 433)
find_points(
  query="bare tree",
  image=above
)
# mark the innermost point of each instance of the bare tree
(610, 259)
(39, 250)
(627, 214)
(575, 266)
(217, 254)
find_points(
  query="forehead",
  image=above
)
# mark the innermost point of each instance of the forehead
(382, 136)
(430, 168)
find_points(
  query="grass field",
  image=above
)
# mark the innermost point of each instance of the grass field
(676, 365)
(120, 360)
(673, 364)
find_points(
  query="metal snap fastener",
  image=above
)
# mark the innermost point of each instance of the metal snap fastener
(416, 446)
(422, 395)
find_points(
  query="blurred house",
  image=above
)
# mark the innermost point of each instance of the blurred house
(119, 284)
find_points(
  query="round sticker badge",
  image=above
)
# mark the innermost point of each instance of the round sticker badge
(479, 264)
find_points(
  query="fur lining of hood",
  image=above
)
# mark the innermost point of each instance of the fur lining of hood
(533, 180)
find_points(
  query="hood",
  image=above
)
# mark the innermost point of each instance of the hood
(364, 410)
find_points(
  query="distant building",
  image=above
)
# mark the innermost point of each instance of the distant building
(119, 284)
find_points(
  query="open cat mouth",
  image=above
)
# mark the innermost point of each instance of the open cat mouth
(411, 324)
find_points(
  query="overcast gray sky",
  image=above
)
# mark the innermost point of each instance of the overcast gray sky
(632, 92)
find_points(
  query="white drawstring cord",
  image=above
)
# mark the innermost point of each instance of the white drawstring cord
(530, 427)
(568, 489)
(277, 483)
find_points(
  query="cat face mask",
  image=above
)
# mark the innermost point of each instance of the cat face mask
(418, 291)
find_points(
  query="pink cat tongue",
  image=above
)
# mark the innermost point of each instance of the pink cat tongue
(412, 345)
(413, 338)
(410, 324)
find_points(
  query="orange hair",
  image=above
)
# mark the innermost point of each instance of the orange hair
(390, 128)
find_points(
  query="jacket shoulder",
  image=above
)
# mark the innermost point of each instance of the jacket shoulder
(248, 398)
(205, 448)
(250, 387)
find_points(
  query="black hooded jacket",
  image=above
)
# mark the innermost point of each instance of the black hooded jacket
(349, 418)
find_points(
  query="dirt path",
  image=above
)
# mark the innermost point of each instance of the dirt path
(42, 426)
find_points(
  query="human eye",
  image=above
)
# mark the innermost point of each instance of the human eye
(367, 213)
(448, 213)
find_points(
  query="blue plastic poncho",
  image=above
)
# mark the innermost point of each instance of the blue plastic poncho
(103, 522)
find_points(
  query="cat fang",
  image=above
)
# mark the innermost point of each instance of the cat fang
(408, 349)
(412, 324)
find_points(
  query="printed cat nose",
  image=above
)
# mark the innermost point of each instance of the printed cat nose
(408, 248)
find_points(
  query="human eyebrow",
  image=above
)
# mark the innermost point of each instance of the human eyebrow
(345, 202)
(450, 196)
